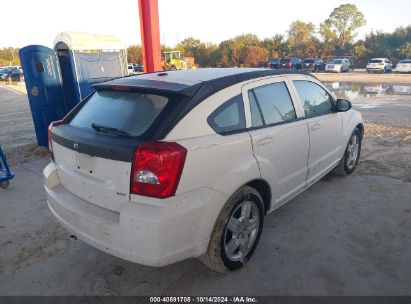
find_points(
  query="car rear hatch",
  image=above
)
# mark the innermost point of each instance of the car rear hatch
(285, 63)
(308, 64)
(93, 149)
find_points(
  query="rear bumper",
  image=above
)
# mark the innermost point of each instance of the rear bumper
(334, 69)
(375, 68)
(310, 69)
(150, 232)
(403, 70)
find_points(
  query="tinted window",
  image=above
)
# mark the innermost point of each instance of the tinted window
(309, 61)
(274, 102)
(315, 99)
(229, 116)
(405, 61)
(130, 112)
(336, 61)
(274, 60)
(285, 60)
(375, 61)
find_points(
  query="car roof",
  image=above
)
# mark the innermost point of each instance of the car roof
(192, 86)
(188, 82)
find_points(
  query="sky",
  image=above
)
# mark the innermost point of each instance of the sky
(39, 21)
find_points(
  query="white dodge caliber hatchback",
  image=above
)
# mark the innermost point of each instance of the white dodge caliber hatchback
(162, 167)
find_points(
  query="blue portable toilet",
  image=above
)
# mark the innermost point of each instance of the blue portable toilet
(58, 79)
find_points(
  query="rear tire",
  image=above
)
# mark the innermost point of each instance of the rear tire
(351, 156)
(236, 232)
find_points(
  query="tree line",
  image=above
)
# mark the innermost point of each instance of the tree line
(335, 36)
(9, 56)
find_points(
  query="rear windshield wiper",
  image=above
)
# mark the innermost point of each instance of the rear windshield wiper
(109, 130)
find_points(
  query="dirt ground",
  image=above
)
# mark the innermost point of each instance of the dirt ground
(386, 148)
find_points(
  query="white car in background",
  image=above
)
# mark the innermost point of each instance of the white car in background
(402, 89)
(338, 66)
(382, 65)
(162, 167)
(130, 69)
(377, 89)
(404, 66)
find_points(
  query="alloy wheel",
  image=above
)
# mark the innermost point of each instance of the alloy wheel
(241, 231)
(352, 151)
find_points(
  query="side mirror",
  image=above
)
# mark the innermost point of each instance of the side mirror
(343, 105)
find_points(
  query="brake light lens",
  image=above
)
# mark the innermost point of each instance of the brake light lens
(289, 64)
(51, 125)
(157, 168)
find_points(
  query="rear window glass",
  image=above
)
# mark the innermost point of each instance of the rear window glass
(375, 61)
(285, 60)
(405, 61)
(129, 112)
(274, 60)
(309, 61)
(336, 61)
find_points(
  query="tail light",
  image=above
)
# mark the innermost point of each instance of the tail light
(52, 124)
(157, 168)
(289, 64)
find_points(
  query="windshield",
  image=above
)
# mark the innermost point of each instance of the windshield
(336, 61)
(376, 60)
(129, 113)
(405, 61)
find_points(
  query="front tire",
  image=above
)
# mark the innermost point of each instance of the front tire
(236, 232)
(351, 156)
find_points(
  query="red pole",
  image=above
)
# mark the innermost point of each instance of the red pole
(150, 35)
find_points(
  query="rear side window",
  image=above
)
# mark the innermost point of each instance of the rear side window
(229, 117)
(271, 104)
(130, 112)
(315, 99)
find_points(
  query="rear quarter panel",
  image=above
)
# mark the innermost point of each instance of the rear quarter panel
(220, 162)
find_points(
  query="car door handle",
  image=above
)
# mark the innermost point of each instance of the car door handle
(316, 126)
(265, 140)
